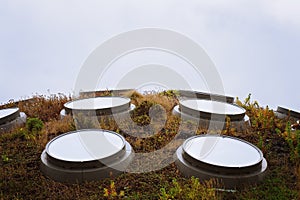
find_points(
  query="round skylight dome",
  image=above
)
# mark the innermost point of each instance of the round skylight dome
(222, 152)
(85, 146)
(89, 154)
(100, 105)
(9, 114)
(208, 109)
(233, 161)
(288, 112)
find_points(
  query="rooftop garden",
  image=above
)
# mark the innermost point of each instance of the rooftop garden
(21, 148)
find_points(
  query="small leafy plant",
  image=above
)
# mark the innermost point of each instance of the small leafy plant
(5, 158)
(192, 190)
(33, 127)
(293, 140)
(111, 192)
(262, 119)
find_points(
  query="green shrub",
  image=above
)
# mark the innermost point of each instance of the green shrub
(33, 127)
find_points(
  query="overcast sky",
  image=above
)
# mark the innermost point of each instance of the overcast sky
(255, 44)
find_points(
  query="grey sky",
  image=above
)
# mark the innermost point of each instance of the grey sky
(255, 44)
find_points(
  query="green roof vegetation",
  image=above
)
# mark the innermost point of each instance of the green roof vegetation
(20, 149)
